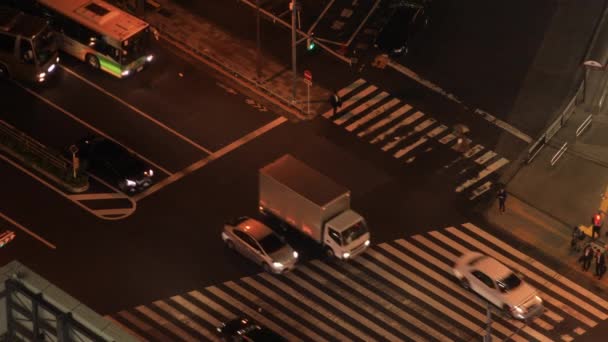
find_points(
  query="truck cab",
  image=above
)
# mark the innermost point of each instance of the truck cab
(347, 235)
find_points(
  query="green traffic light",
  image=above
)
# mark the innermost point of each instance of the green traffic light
(311, 45)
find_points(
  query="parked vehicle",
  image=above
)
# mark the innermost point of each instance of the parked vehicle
(314, 205)
(245, 329)
(112, 162)
(257, 242)
(28, 49)
(406, 19)
(499, 285)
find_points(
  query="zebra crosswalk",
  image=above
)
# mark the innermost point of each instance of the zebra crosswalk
(401, 290)
(397, 128)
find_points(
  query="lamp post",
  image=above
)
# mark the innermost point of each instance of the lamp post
(294, 8)
(258, 52)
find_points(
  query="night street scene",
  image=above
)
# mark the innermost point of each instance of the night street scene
(303, 170)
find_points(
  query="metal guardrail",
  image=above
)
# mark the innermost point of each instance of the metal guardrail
(31, 145)
(555, 126)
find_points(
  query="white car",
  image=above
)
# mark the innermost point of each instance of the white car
(259, 243)
(498, 284)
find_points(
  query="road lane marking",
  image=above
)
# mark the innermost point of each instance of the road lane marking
(419, 128)
(97, 196)
(178, 315)
(213, 305)
(405, 122)
(354, 99)
(165, 324)
(138, 111)
(375, 113)
(84, 123)
(52, 187)
(483, 174)
(27, 231)
(196, 310)
(546, 270)
(127, 329)
(215, 155)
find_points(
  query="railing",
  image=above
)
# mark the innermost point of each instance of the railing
(31, 145)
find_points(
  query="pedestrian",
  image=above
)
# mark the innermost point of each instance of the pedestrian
(577, 237)
(600, 264)
(502, 198)
(587, 257)
(336, 101)
(597, 223)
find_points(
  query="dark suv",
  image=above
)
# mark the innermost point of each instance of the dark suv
(405, 20)
(244, 329)
(113, 163)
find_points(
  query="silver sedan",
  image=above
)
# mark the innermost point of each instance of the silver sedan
(256, 241)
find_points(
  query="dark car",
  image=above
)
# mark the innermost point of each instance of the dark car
(406, 19)
(245, 329)
(113, 163)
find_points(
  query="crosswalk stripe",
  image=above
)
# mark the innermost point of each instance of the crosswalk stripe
(473, 151)
(345, 91)
(301, 313)
(143, 326)
(477, 300)
(357, 302)
(185, 320)
(212, 304)
(489, 251)
(485, 157)
(400, 153)
(555, 317)
(405, 122)
(373, 114)
(418, 128)
(196, 310)
(388, 306)
(546, 270)
(252, 313)
(393, 116)
(436, 131)
(336, 304)
(274, 311)
(413, 291)
(442, 280)
(483, 174)
(447, 138)
(166, 324)
(296, 295)
(356, 98)
(127, 329)
(549, 285)
(483, 188)
(360, 109)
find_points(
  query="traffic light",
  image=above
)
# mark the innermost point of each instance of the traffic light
(310, 44)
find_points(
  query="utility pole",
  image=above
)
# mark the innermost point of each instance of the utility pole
(258, 59)
(294, 9)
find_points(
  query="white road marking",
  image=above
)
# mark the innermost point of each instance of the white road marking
(138, 111)
(405, 122)
(436, 131)
(143, 326)
(166, 324)
(483, 174)
(485, 157)
(567, 338)
(178, 315)
(343, 92)
(394, 115)
(215, 155)
(378, 111)
(473, 151)
(127, 329)
(212, 304)
(92, 128)
(360, 109)
(579, 331)
(27, 231)
(513, 265)
(418, 128)
(196, 310)
(541, 267)
(52, 187)
(97, 196)
(400, 153)
(482, 189)
(354, 99)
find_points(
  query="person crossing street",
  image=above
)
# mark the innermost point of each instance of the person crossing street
(335, 101)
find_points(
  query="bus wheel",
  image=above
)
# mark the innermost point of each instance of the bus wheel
(93, 61)
(3, 71)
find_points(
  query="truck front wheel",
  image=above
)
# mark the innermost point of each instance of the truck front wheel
(329, 253)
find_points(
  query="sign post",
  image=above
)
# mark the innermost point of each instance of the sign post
(308, 81)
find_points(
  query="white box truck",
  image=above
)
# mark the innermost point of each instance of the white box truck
(313, 204)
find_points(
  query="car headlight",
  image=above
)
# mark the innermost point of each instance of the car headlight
(57, 59)
(538, 299)
(42, 75)
(131, 183)
(366, 243)
(150, 173)
(295, 254)
(277, 265)
(51, 68)
(519, 309)
(346, 255)
(125, 72)
(149, 58)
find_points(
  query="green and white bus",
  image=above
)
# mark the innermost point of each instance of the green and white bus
(28, 50)
(98, 33)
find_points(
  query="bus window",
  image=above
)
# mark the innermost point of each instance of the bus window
(26, 51)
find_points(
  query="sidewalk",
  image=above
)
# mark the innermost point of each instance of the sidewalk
(236, 58)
